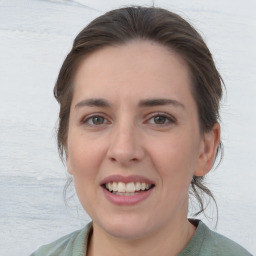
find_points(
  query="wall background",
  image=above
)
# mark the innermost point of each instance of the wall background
(35, 36)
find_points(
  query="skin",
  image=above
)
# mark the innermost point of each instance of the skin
(128, 140)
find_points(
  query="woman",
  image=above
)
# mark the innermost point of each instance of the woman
(139, 106)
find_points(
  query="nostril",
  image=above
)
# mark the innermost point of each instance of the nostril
(112, 159)
(125, 154)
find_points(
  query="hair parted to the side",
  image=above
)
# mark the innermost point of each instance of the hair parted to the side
(123, 25)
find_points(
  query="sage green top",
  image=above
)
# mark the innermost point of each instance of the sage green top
(204, 243)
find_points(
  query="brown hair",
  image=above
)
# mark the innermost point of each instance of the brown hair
(120, 26)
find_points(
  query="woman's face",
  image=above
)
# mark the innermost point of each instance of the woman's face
(134, 129)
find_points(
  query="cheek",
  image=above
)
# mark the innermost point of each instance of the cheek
(82, 166)
(84, 154)
(175, 160)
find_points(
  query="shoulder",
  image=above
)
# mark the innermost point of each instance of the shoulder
(62, 246)
(218, 245)
(71, 244)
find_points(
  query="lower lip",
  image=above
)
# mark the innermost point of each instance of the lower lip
(127, 200)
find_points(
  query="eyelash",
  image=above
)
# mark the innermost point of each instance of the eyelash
(168, 119)
(91, 117)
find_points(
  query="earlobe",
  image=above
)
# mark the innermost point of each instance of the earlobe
(69, 167)
(208, 150)
(68, 162)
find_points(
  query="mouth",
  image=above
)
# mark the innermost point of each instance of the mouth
(127, 189)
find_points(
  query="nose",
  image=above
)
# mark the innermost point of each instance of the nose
(125, 146)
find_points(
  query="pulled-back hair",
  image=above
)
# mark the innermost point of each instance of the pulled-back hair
(121, 26)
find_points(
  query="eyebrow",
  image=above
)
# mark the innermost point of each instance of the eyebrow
(92, 103)
(143, 103)
(160, 102)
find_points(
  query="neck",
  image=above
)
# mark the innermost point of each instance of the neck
(167, 241)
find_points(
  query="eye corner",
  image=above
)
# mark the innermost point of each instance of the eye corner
(94, 120)
(161, 119)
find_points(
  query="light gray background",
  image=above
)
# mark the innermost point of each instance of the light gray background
(35, 36)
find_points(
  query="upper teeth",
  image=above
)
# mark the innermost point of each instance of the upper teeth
(128, 187)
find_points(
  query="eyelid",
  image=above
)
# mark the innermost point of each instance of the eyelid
(169, 117)
(84, 119)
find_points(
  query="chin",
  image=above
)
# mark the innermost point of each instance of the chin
(126, 228)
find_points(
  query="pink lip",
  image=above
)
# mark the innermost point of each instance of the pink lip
(126, 179)
(127, 200)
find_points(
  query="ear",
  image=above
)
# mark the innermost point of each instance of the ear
(67, 158)
(208, 148)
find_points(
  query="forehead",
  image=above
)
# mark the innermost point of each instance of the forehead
(144, 67)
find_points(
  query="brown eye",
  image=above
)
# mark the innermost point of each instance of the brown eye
(97, 120)
(160, 119)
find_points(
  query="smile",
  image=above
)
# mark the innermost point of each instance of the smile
(127, 189)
